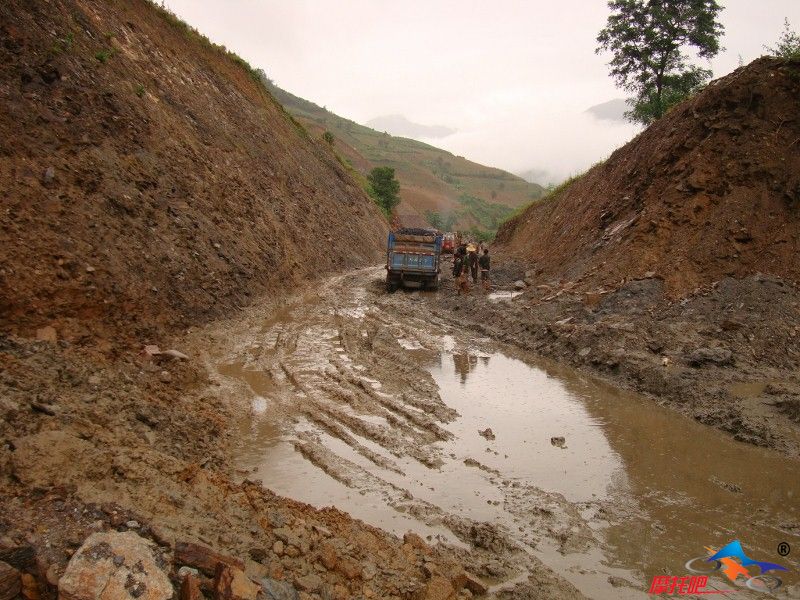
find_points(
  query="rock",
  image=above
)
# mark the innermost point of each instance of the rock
(415, 541)
(203, 558)
(328, 556)
(185, 571)
(255, 570)
(52, 575)
(231, 583)
(717, 356)
(49, 175)
(558, 441)
(309, 583)
(475, 585)
(438, 588)
(487, 433)
(165, 377)
(348, 568)
(519, 284)
(90, 269)
(47, 334)
(114, 565)
(132, 524)
(288, 537)
(176, 354)
(584, 352)
(30, 588)
(10, 582)
(277, 547)
(190, 588)
(150, 350)
(649, 275)
(278, 590)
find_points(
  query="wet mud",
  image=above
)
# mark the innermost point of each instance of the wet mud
(371, 403)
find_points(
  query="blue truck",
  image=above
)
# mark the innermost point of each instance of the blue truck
(412, 258)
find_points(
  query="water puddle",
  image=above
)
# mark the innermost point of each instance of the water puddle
(503, 295)
(642, 489)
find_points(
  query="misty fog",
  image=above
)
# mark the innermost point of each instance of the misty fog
(513, 78)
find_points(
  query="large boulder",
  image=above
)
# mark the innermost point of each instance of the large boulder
(115, 566)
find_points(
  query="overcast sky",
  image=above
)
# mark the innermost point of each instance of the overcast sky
(513, 77)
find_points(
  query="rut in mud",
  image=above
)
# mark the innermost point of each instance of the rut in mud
(364, 400)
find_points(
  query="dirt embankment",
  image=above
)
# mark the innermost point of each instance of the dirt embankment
(711, 190)
(148, 182)
(671, 267)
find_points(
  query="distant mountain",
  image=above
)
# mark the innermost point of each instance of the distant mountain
(401, 126)
(538, 176)
(435, 184)
(613, 110)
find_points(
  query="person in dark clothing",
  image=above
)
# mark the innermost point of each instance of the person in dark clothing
(458, 263)
(484, 263)
(472, 262)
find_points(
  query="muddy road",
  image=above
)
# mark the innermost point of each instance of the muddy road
(368, 402)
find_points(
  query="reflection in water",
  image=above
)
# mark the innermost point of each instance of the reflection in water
(659, 485)
(465, 362)
(689, 486)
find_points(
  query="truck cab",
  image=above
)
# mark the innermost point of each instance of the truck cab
(412, 258)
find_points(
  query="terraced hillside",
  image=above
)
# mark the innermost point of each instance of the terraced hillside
(465, 194)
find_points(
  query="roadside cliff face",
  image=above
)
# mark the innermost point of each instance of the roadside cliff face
(711, 190)
(149, 182)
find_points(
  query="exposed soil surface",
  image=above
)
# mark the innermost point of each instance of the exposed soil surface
(149, 183)
(401, 410)
(709, 191)
(152, 190)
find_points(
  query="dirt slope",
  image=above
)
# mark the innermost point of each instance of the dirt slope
(432, 179)
(148, 181)
(710, 190)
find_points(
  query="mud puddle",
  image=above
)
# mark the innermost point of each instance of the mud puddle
(360, 401)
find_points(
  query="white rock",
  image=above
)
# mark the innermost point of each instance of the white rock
(118, 566)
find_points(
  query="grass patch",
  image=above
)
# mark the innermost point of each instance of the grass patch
(63, 44)
(104, 55)
(551, 192)
(488, 214)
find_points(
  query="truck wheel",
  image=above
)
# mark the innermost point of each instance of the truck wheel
(391, 286)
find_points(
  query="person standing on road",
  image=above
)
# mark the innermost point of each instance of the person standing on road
(484, 263)
(472, 261)
(458, 263)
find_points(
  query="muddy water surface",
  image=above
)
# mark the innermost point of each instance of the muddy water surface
(362, 402)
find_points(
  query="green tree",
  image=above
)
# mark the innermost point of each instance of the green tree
(646, 39)
(385, 188)
(788, 45)
(328, 137)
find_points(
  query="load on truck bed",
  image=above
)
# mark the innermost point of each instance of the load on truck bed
(412, 258)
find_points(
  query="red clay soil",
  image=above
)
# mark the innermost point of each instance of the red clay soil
(710, 190)
(148, 182)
